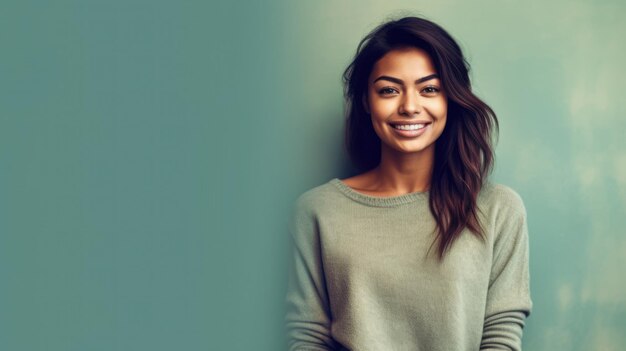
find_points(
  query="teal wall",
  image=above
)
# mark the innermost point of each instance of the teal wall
(150, 151)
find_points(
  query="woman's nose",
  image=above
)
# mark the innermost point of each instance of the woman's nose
(410, 104)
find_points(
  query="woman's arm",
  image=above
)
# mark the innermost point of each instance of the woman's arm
(508, 298)
(307, 319)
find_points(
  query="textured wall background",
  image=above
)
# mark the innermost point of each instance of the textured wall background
(150, 151)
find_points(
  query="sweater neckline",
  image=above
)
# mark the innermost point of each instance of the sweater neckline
(380, 201)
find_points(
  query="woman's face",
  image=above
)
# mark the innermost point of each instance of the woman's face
(405, 92)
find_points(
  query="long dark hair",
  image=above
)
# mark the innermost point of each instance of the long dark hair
(463, 152)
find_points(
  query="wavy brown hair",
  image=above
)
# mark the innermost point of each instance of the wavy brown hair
(464, 153)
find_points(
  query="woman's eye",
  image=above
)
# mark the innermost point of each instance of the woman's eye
(430, 90)
(386, 91)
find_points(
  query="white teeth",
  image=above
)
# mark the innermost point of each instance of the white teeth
(409, 126)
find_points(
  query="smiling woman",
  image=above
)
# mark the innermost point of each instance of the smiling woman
(403, 112)
(363, 276)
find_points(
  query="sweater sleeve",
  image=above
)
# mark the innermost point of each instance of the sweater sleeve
(508, 297)
(307, 319)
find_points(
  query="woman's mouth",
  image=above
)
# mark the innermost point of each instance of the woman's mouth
(410, 130)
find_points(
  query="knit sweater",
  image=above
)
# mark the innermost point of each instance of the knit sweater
(362, 278)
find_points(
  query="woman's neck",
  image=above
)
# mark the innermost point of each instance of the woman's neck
(404, 172)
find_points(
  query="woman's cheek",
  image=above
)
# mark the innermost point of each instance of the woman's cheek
(382, 108)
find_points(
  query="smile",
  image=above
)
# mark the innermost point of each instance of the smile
(409, 126)
(410, 130)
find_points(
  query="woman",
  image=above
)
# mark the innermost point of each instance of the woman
(364, 274)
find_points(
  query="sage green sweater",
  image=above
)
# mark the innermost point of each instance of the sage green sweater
(361, 278)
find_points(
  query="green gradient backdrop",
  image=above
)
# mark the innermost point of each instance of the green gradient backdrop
(150, 151)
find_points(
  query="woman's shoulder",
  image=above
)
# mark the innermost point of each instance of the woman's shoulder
(499, 195)
(314, 198)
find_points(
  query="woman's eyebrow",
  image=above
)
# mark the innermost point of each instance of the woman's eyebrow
(399, 81)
